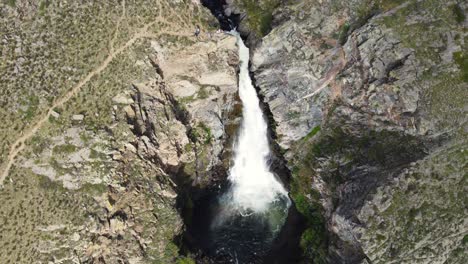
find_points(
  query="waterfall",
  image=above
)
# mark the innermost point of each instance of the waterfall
(254, 188)
(240, 224)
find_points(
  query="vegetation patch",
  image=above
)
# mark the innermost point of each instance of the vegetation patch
(11, 3)
(293, 114)
(97, 155)
(185, 260)
(342, 36)
(39, 143)
(94, 189)
(370, 147)
(48, 184)
(204, 92)
(32, 107)
(201, 133)
(43, 6)
(458, 13)
(386, 5)
(260, 14)
(314, 240)
(461, 59)
(64, 149)
(312, 133)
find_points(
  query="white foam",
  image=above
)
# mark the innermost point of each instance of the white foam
(254, 187)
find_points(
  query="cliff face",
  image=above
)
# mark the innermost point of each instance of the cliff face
(108, 111)
(368, 102)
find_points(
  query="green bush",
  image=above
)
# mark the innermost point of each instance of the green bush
(65, 149)
(462, 60)
(185, 260)
(11, 3)
(459, 14)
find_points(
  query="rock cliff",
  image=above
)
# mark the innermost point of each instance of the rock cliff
(367, 99)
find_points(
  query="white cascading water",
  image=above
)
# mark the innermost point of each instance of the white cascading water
(254, 187)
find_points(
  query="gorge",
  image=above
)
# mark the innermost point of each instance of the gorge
(240, 224)
(329, 131)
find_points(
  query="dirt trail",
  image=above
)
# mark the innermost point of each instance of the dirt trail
(19, 144)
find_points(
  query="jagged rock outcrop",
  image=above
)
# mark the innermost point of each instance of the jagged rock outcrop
(366, 104)
(157, 122)
(203, 79)
(185, 119)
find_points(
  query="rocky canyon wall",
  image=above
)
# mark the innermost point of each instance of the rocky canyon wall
(367, 102)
